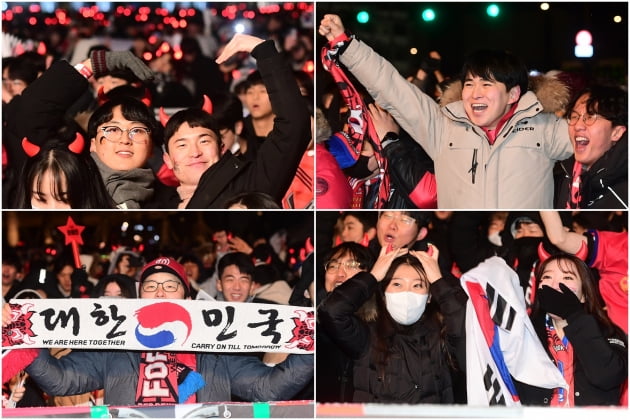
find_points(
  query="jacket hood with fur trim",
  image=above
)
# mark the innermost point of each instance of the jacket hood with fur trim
(552, 93)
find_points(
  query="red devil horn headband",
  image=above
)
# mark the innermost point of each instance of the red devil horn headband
(30, 149)
(77, 144)
(207, 104)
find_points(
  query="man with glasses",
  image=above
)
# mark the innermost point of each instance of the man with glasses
(494, 148)
(122, 135)
(149, 378)
(596, 176)
(38, 114)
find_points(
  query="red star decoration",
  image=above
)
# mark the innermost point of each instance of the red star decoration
(72, 232)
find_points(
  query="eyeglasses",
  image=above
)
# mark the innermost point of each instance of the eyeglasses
(167, 286)
(588, 119)
(402, 218)
(334, 266)
(139, 135)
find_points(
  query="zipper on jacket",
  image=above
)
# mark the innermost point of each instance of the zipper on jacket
(473, 167)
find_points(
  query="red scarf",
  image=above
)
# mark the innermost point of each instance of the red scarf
(492, 134)
(575, 195)
(160, 374)
(562, 352)
(360, 125)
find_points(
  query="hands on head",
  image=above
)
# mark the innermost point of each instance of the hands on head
(428, 259)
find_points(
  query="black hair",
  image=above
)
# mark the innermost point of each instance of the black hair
(253, 200)
(127, 285)
(132, 109)
(84, 185)
(190, 258)
(195, 117)
(360, 253)
(254, 78)
(228, 110)
(265, 274)
(611, 102)
(593, 302)
(190, 45)
(27, 67)
(10, 257)
(240, 259)
(366, 218)
(501, 66)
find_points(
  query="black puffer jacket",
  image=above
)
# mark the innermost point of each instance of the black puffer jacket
(608, 174)
(276, 161)
(600, 363)
(417, 370)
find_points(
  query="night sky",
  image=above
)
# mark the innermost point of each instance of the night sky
(544, 40)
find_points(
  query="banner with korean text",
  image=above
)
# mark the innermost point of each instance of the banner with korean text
(166, 325)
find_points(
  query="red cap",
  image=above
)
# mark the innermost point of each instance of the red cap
(168, 265)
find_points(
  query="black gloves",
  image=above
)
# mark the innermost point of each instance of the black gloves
(564, 304)
(103, 62)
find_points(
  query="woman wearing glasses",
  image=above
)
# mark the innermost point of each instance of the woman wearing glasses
(416, 340)
(596, 176)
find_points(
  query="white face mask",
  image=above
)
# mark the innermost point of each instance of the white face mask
(406, 307)
(495, 239)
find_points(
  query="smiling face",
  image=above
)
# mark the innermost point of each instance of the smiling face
(123, 154)
(191, 150)
(234, 285)
(159, 292)
(590, 142)
(339, 269)
(486, 101)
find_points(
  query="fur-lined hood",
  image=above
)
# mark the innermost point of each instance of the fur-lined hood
(552, 93)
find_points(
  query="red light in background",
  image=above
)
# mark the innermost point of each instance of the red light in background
(178, 55)
(147, 56)
(41, 49)
(32, 21)
(309, 67)
(34, 8)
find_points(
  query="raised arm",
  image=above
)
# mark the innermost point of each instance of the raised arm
(558, 235)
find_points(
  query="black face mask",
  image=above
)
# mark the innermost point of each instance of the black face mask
(526, 250)
(359, 169)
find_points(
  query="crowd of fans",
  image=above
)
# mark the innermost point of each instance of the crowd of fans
(214, 62)
(273, 268)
